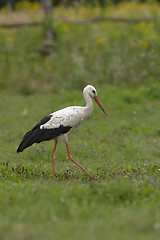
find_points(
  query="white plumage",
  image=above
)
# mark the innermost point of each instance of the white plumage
(58, 124)
(74, 115)
(70, 116)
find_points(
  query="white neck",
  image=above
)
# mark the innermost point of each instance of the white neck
(89, 103)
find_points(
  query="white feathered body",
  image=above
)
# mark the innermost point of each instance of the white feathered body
(71, 116)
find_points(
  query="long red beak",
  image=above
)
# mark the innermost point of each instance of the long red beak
(96, 98)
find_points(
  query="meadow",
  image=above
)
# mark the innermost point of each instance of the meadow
(123, 150)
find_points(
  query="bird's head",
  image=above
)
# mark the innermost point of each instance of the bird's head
(91, 91)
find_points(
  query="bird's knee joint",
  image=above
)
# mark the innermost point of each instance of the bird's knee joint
(70, 157)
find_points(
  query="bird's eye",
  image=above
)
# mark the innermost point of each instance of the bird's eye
(93, 91)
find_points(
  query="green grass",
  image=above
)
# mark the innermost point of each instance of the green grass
(122, 150)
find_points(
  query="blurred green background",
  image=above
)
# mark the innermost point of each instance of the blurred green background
(121, 54)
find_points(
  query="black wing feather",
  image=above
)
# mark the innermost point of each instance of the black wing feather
(43, 121)
(37, 135)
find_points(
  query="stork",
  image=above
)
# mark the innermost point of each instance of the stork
(59, 124)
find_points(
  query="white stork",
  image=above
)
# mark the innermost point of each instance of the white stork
(57, 125)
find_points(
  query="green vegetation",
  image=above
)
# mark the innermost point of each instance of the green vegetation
(106, 53)
(123, 150)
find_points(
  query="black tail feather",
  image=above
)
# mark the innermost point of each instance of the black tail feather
(37, 135)
(27, 141)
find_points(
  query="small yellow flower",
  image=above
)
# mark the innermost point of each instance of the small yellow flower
(35, 6)
(146, 28)
(144, 44)
(25, 112)
(142, 25)
(66, 27)
(10, 39)
(25, 4)
(101, 40)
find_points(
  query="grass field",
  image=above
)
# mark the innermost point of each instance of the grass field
(122, 150)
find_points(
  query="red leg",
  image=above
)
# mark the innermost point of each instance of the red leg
(72, 159)
(53, 156)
